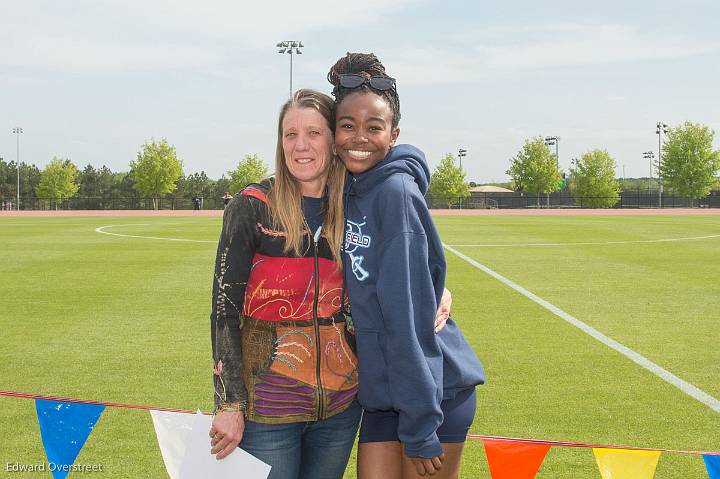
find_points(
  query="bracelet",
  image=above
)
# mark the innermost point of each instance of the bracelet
(232, 406)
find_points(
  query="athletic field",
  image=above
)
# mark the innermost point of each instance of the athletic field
(124, 318)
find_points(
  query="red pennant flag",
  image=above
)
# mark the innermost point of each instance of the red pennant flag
(514, 460)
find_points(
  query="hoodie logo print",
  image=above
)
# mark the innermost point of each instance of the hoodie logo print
(354, 239)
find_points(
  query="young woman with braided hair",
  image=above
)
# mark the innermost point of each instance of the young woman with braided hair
(284, 353)
(417, 388)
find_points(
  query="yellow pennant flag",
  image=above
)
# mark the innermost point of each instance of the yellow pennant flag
(626, 464)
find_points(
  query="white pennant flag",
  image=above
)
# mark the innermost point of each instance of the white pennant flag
(199, 463)
(173, 433)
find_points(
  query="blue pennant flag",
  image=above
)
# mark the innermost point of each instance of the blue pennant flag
(64, 428)
(712, 464)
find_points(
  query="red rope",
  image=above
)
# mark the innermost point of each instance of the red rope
(585, 445)
(14, 394)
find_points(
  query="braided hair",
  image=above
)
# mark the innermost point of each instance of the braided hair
(369, 65)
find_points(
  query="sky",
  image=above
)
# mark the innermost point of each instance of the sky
(92, 80)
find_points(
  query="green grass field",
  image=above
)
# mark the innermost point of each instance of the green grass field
(123, 319)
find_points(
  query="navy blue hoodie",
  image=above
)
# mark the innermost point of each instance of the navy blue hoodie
(395, 275)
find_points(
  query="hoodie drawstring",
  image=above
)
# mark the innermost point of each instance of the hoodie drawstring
(343, 302)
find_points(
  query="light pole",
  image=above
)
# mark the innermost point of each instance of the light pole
(649, 155)
(661, 128)
(461, 153)
(554, 140)
(18, 131)
(287, 46)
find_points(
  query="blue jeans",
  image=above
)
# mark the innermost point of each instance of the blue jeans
(305, 450)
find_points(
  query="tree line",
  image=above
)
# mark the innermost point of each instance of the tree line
(156, 173)
(688, 167)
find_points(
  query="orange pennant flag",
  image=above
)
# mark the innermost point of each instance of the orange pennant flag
(626, 464)
(514, 460)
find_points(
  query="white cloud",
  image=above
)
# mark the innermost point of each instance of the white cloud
(484, 53)
(77, 55)
(109, 36)
(266, 21)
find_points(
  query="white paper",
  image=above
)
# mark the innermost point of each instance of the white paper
(200, 464)
(173, 433)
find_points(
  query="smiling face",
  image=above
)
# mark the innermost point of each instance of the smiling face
(363, 131)
(307, 142)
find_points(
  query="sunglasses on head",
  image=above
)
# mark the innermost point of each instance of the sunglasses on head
(356, 80)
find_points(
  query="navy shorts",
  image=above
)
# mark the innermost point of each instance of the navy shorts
(458, 415)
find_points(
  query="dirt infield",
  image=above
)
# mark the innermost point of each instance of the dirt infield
(455, 212)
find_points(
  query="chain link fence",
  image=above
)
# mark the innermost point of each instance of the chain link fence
(117, 203)
(628, 199)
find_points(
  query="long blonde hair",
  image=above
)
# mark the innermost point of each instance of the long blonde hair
(285, 196)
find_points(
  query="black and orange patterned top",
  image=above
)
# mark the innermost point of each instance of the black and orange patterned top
(282, 348)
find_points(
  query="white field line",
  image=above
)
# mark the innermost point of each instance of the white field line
(512, 245)
(659, 371)
(102, 231)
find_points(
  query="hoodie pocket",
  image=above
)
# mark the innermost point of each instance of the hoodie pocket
(374, 391)
(461, 367)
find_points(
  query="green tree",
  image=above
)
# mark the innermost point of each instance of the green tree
(250, 169)
(58, 181)
(8, 176)
(715, 185)
(635, 184)
(689, 164)
(198, 183)
(107, 182)
(448, 182)
(156, 170)
(89, 185)
(97, 187)
(29, 180)
(124, 186)
(535, 169)
(593, 180)
(220, 187)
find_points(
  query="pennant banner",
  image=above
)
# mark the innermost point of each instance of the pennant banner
(64, 428)
(66, 423)
(626, 463)
(514, 460)
(712, 464)
(173, 434)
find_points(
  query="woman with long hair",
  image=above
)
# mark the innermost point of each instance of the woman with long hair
(285, 368)
(284, 354)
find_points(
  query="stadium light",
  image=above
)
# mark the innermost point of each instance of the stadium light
(661, 128)
(554, 140)
(291, 47)
(18, 131)
(649, 155)
(461, 153)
